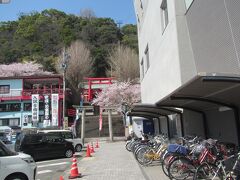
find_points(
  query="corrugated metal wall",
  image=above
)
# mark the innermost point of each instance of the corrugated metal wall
(215, 36)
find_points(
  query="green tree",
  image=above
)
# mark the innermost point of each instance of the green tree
(100, 63)
(129, 38)
(40, 37)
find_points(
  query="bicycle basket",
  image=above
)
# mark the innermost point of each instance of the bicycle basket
(175, 148)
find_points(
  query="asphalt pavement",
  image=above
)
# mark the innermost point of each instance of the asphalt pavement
(109, 162)
(113, 162)
(54, 168)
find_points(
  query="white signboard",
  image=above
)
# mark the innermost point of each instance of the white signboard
(54, 109)
(35, 107)
(46, 107)
(46, 120)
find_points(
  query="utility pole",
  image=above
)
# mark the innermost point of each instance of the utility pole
(64, 67)
(119, 31)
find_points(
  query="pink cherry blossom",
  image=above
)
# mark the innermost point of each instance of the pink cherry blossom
(117, 94)
(22, 69)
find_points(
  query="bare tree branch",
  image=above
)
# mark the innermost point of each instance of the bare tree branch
(79, 65)
(87, 13)
(124, 64)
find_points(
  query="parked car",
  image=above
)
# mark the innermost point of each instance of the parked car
(67, 135)
(6, 141)
(42, 146)
(15, 165)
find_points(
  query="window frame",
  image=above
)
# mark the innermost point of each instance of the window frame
(142, 68)
(3, 89)
(164, 15)
(146, 52)
(10, 107)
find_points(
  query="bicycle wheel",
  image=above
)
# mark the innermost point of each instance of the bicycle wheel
(168, 157)
(138, 149)
(128, 146)
(162, 156)
(148, 157)
(140, 154)
(208, 172)
(181, 168)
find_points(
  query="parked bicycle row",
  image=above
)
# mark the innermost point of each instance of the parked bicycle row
(188, 157)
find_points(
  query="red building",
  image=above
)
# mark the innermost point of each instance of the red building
(29, 101)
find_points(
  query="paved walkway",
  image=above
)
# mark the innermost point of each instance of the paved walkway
(113, 162)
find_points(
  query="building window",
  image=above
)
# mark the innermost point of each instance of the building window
(3, 107)
(9, 122)
(141, 4)
(138, 19)
(164, 14)
(27, 107)
(4, 89)
(146, 52)
(142, 68)
(14, 107)
(10, 107)
(4, 122)
(13, 122)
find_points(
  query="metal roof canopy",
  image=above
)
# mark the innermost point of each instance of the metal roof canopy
(205, 93)
(208, 92)
(150, 111)
(151, 108)
(143, 114)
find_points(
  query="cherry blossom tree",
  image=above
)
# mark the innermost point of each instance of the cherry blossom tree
(22, 69)
(118, 94)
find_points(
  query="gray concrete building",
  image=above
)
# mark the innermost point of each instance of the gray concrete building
(189, 57)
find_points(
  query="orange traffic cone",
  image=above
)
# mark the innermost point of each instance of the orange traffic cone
(74, 170)
(88, 153)
(92, 148)
(61, 178)
(97, 145)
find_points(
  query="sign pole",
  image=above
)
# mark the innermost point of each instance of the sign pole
(83, 125)
(110, 124)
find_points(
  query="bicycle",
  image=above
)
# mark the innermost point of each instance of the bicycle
(224, 169)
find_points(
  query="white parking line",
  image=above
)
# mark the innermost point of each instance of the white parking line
(55, 164)
(51, 161)
(43, 172)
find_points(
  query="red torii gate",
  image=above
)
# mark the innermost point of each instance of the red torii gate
(94, 81)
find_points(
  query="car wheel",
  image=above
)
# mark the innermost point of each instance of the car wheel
(68, 153)
(17, 177)
(78, 148)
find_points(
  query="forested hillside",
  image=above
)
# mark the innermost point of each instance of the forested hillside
(40, 37)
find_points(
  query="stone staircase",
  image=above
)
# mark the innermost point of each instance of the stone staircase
(92, 126)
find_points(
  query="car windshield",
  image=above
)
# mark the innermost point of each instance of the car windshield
(3, 136)
(7, 150)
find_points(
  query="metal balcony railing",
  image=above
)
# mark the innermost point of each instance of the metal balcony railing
(29, 92)
(12, 93)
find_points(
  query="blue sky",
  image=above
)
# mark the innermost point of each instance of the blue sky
(119, 10)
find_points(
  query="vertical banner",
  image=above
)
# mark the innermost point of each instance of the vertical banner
(54, 109)
(100, 119)
(46, 120)
(35, 107)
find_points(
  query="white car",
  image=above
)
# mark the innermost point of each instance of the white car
(14, 165)
(67, 135)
